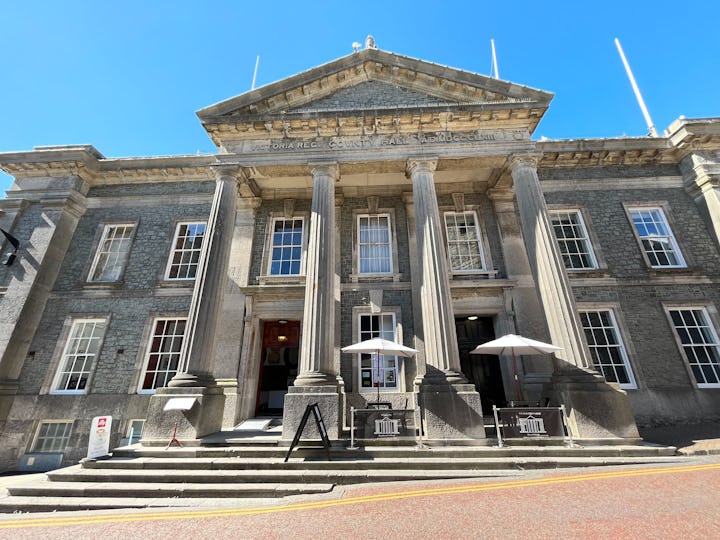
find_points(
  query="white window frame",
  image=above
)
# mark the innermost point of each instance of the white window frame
(181, 251)
(709, 340)
(583, 239)
(57, 443)
(476, 242)
(618, 345)
(390, 244)
(72, 354)
(272, 247)
(174, 354)
(108, 246)
(385, 363)
(661, 239)
(136, 434)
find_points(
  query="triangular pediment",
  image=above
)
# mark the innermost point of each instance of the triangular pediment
(371, 95)
(373, 80)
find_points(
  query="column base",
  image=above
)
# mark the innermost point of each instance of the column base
(191, 380)
(296, 401)
(451, 411)
(8, 391)
(203, 418)
(596, 409)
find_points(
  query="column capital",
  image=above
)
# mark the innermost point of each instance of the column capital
(326, 168)
(228, 172)
(249, 203)
(524, 160)
(420, 164)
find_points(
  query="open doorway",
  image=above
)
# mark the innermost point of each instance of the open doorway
(278, 365)
(482, 370)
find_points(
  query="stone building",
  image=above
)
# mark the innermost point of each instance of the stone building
(376, 195)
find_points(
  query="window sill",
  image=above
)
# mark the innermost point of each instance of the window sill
(588, 272)
(176, 283)
(358, 278)
(665, 270)
(281, 280)
(482, 274)
(103, 284)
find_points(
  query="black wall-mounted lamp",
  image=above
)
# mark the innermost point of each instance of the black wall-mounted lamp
(15, 243)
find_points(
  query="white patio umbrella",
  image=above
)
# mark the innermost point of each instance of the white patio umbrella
(514, 344)
(378, 346)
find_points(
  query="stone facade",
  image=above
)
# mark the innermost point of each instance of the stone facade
(375, 160)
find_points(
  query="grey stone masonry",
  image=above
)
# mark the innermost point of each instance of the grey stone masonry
(370, 95)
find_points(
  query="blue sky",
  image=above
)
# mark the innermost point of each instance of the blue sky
(128, 76)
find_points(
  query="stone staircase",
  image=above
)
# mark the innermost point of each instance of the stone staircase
(250, 471)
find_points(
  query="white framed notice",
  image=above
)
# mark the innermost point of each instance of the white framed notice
(99, 443)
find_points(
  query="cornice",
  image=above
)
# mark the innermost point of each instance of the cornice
(382, 122)
(605, 152)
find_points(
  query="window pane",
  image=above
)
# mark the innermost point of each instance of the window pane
(378, 371)
(185, 256)
(163, 353)
(463, 238)
(374, 249)
(52, 436)
(286, 252)
(112, 253)
(573, 240)
(81, 350)
(700, 344)
(657, 240)
(606, 347)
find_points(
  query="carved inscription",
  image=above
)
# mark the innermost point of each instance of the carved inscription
(350, 142)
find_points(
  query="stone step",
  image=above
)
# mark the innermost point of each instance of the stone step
(370, 452)
(135, 490)
(145, 465)
(12, 504)
(269, 477)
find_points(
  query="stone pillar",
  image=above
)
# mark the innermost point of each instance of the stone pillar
(701, 176)
(49, 225)
(547, 265)
(196, 375)
(231, 325)
(317, 379)
(596, 409)
(524, 314)
(451, 405)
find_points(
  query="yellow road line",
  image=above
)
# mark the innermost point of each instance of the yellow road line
(195, 514)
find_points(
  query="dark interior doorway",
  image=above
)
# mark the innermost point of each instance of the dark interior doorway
(278, 365)
(482, 370)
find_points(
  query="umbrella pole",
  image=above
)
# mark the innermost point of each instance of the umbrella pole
(377, 370)
(515, 376)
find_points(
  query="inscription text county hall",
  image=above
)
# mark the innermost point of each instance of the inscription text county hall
(350, 142)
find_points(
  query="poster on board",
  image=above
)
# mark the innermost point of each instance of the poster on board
(99, 443)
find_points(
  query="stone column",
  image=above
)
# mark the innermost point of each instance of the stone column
(524, 314)
(196, 374)
(452, 407)
(317, 379)
(596, 409)
(547, 265)
(701, 176)
(231, 325)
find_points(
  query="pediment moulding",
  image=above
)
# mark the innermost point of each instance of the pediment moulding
(373, 91)
(454, 86)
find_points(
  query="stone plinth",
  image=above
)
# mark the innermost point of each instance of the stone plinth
(451, 411)
(204, 418)
(299, 397)
(596, 409)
